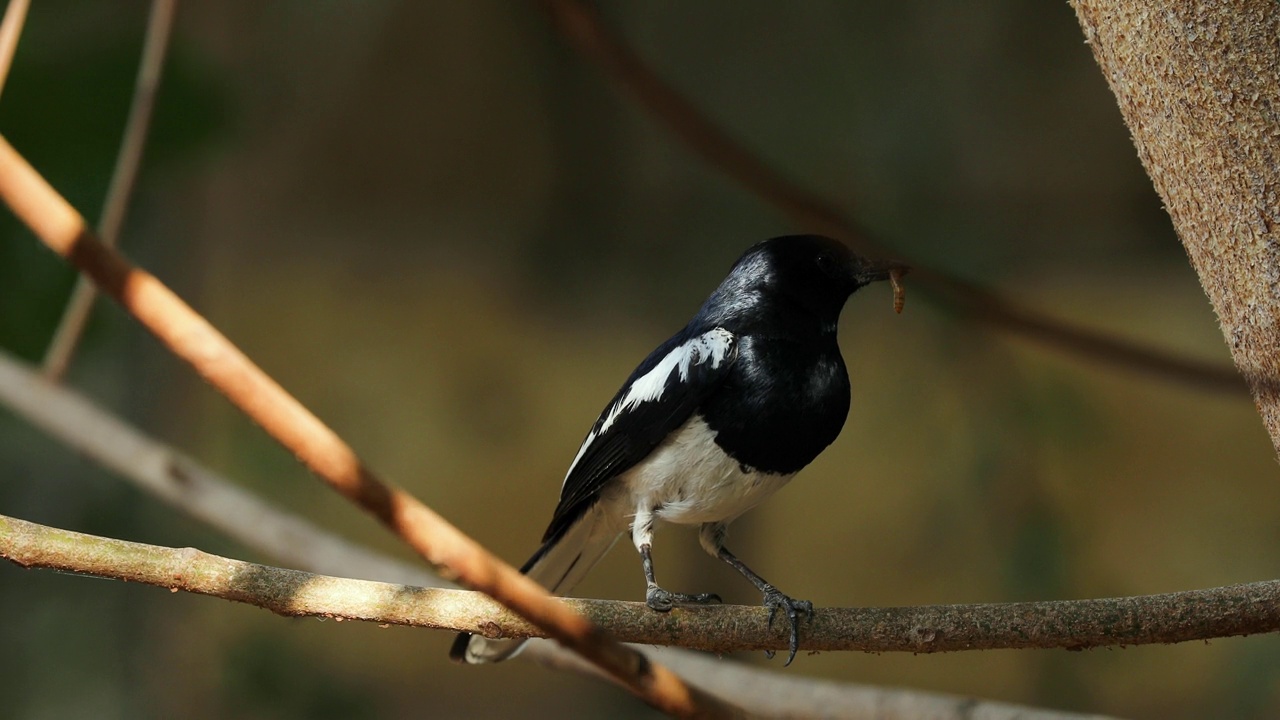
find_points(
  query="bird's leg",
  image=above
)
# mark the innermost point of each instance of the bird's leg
(711, 537)
(655, 597)
(662, 600)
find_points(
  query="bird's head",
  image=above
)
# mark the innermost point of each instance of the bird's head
(811, 274)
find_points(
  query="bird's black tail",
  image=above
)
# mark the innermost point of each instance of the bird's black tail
(558, 565)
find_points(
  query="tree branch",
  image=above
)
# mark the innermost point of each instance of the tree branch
(123, 178)
(1075, 624)
(787, 695)
(223, 365)
(1197, 85)
(247, 518)
(188, 485)
(15, 17)
(582, 28)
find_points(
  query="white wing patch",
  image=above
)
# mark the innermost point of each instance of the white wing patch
(712, 346)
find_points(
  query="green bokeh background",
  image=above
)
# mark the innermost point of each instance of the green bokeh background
(452, 239)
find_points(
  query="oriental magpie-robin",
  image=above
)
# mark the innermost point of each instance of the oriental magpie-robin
(715, 420)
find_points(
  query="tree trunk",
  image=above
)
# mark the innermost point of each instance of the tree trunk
(1198, 84)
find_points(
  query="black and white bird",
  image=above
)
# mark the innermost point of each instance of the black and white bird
(715, 420)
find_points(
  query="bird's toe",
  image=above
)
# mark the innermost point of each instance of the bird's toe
(775, 601)
(663, 601)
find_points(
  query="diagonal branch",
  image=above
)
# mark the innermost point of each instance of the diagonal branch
(581, 27)
(123, 178)
(1196, 84)
(786, 695)
(1071, 624)
(15, 17)
(189, 336)
(186, 484)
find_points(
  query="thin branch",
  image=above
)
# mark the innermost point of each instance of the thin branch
(582, 27)
(198, 491)
(15, 17)
(286, 592)
(189, 336)
(777, 694)
(123, 178)
(188, 485)
(1071, 624)
(291, 593)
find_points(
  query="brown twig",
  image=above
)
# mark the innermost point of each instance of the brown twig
(776, 694)
(120, 190)
(186, 484)
(189, 336)
(15, 17)
(1231, 611)
(581, 26)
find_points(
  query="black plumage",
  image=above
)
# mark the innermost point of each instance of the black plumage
(714, 420)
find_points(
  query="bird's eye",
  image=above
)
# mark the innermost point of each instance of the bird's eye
(827, 264)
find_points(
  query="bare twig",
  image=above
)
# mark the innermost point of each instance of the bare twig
(1075, 624)
(188, 485)
(201, 493)
(123, 178)
(786, 695)
(189, 336)
(15, 16)
(581, 26)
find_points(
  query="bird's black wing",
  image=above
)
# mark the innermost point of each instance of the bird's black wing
(656, 400)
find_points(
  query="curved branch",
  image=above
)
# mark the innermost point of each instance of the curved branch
(582, 28)
(1072, 624)
(123, 178)
(189, 336)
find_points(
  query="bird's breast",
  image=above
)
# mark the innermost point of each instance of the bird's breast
(690, 479)
(782, 405)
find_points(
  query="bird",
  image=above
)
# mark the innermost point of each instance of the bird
(716, 419)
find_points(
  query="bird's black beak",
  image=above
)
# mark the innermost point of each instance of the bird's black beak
(879, 271)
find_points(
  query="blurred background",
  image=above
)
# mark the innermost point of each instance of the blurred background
(453, 238)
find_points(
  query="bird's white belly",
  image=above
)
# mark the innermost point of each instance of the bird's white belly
(689, 480)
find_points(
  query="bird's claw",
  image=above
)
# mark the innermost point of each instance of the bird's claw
(663, 601)
(775, 601)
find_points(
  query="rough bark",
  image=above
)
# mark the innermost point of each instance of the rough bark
(1071, 624)
(1198, 84)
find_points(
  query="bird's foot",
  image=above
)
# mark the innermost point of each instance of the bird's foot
(662, 601)
(775, 601)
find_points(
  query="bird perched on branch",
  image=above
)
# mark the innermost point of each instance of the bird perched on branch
(713, 421)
